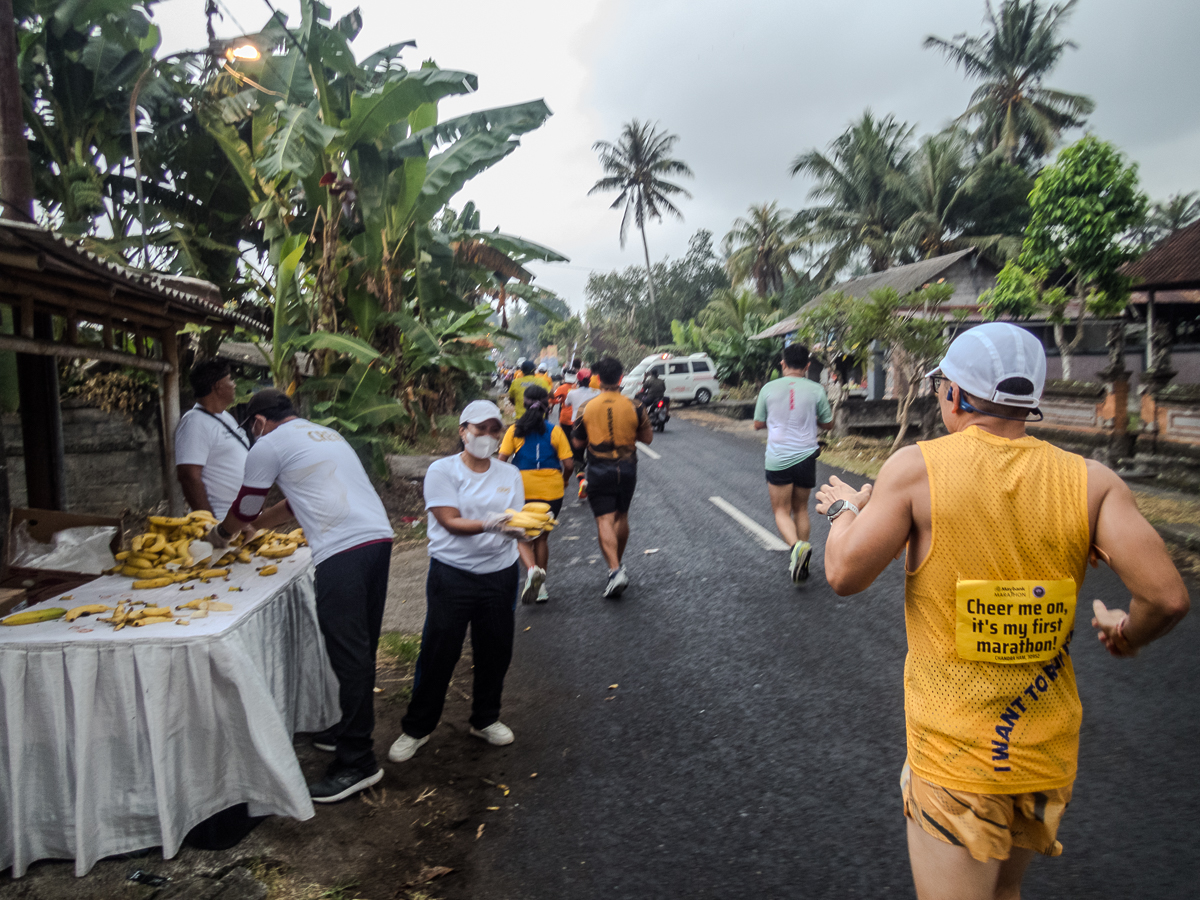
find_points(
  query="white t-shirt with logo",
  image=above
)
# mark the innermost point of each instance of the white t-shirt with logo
(577, 397)
(202, 440)
(325, 484)
(475, 495)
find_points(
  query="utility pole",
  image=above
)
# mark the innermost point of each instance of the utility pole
(37, 376)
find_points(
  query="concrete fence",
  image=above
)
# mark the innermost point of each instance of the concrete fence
(113, 462)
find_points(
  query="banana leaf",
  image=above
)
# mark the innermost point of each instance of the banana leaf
(371, 114)
(449, 171)
(339, 343)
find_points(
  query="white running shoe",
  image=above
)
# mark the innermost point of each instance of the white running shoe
(543, 595)
(798, 566)
(617, 582)
(405, 746)
(498, 734)
(534, 580)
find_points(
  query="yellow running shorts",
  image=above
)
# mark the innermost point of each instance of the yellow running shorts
(987, 826)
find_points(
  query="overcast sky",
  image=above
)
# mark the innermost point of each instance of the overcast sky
(746, 86)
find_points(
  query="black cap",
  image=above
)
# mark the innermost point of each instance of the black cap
(271, 403)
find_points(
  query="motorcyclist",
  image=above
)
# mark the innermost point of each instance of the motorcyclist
(653, 389)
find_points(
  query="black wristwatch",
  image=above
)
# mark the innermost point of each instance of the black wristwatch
(837, 507)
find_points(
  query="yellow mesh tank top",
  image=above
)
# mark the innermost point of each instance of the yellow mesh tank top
(1002, 511)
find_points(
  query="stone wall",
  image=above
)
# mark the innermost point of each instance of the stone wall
(113, 462)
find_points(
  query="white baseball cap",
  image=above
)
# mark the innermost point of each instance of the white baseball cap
(479, 411)
(997, 361)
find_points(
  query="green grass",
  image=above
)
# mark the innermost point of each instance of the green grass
(399, 646)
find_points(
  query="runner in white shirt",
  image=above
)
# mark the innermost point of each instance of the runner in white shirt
(574, 403)
(344, 521)
(793, 409)
(210, 448)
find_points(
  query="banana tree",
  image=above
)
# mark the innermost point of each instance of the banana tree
(352, 156)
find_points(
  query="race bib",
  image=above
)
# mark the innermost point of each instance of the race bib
(1013, 621)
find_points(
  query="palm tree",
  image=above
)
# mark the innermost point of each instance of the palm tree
(1177, 211)
(864, 209)
(943, 187)
(730, 308)
(1018, 117)
(760, 248)
(636, 166)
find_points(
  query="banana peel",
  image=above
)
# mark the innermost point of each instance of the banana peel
(87, 610)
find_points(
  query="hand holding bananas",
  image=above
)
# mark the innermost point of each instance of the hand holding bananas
(498, 523)
(170, 551)
(534, 519)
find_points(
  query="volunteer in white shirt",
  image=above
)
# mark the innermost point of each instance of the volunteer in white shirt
(329, 494)
(472, 580)
(210, 448)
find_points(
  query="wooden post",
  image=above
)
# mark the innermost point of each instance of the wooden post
(169, 394)
(1150, 330)
(41, 423)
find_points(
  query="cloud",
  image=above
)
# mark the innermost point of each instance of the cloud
(746, 87)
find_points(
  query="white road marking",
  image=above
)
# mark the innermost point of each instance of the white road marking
(650, 453)
(766, 539)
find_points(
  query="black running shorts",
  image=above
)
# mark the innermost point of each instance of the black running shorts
(610, 485)
(803, 474)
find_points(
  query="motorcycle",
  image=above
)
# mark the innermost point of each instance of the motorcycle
(660, 413)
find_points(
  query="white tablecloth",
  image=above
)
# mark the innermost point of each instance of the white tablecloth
(116, 741)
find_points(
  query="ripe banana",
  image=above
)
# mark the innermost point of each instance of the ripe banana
(86, 611)
(536, 506)
(212, 573)
(168, 521)
(268, 570)
(277, 551)
(152, 620)
(147, 583)
(33, 616)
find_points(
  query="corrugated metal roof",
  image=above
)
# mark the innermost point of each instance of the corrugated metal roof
(61, 255)
(905, 280)
(1174, 262)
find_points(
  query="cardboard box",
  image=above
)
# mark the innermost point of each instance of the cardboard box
(41, 584)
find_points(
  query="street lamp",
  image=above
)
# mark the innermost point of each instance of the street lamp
(245, 52)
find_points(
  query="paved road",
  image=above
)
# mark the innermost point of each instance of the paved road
(754, 744)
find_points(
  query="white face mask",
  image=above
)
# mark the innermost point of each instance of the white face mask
(480, 446)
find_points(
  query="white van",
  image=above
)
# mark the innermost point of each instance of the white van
(689, 379)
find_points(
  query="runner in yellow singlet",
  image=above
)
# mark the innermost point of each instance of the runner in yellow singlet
(999, 527)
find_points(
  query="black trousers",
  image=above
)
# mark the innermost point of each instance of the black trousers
(351, 593)
(455, 598)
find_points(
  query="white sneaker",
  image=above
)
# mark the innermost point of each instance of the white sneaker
(497, 734)
(617, 582)
(534, 580)
(798, 565)
(405, 746)
(543, 595)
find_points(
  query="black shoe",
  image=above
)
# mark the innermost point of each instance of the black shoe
(325, 740)
(340, 785)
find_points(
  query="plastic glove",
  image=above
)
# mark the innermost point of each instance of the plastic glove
(214, 537)
(497, 523)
